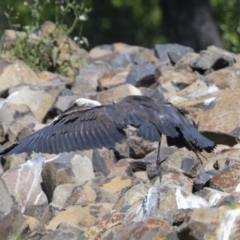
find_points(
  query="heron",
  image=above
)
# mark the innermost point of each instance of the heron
(103, 126)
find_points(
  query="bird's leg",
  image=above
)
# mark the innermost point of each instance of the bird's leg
(159, 161)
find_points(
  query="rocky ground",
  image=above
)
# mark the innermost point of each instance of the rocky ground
(116, 194)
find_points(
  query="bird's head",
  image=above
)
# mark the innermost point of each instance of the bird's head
(82, 104)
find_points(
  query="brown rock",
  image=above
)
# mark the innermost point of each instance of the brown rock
(177, 179)
(123, 168)
(98, 52)
(107, 222)
(211, 223)
(113, 79)
(116, 184)
(81, 195)
(117, 93)
(57, 172)
(181, 79)
(184, 62)
(65, 231)
(85, 215)
(226, 78)
(66, 168)
(224, 114)
(13, 73)
(228, 180)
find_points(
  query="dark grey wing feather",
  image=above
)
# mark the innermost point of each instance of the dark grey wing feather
(79, 130)
(179, 131)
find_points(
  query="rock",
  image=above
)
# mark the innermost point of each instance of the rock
(66, 168)
(177, 179)
(103, 160)
(228, 180)
(113, 79)
(143, 75)
(226, 78)
(150, 228)
(210, 223)
(123, 168)
(107, 222)
(185, 61)
(190, 167)
(202, 179)
(56, 172)
(15, 73)
(117, 93)
(14, 160)
(141, 164)
(212, 196)
(39, 102)
(64, 231)
(98, 52)
(223, 115)
(121, 60)
(180, 79)
(116, 184)
(7, 201)
(30, 200)
(196, 89)
(82, 194)
(156, 94)
(86, 215)
(173, 198)
(62, 193)
(18, 121)
(13, 226)
(86, 83)
(220, 138)
(180, 216)
(139, 147)
(82, 168)
(209, 60)
(171, 52)
(64, 102)
(132, 196)
(178, 157)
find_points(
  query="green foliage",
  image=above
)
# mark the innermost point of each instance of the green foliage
(227, 14)
(134, 22)
(40, 51)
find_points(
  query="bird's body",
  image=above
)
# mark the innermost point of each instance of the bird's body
(102, 126)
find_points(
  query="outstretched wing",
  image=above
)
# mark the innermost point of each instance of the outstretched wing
(76, 130)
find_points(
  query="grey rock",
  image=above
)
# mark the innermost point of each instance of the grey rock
(142, 75)
(13, 226)
(209, 60)
(86, 82)
(103, 160)
(24, 184)
(171, 52)
(202, 178)
(121, 60)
